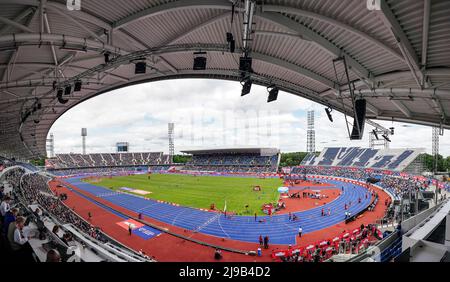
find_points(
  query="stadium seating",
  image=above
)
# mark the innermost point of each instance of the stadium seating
(393, 182)
(391, 159)
(32, 189)
(236, 163)
(62, 161)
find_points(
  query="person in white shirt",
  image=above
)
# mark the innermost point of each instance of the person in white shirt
(300, 230)
(15, 234)
(5, 206)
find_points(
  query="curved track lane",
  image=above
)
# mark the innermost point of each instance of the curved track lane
(244, 228)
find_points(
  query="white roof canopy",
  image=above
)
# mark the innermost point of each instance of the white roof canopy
(398, 57)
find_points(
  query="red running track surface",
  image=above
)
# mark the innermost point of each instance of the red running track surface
(167, 247)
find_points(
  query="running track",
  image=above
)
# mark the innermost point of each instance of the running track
(244, 228)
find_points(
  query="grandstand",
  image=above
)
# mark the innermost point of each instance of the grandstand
(388, 159)
(240, 160)
(46, 209)
(70, 161)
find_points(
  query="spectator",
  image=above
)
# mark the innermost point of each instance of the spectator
(5, 206)
(53, 256)
(55, 230)
(218, 254)
(18, 241)
(67, 238)
(10, 217)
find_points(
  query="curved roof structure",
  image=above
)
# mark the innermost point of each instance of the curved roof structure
(397, 54)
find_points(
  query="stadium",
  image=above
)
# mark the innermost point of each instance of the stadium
(378, 68)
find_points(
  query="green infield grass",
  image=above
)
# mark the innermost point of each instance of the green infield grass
(201, 191)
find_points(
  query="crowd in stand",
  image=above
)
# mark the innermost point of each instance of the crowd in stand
(32, 190)
(107, 159)
(35, 190)
(393, 183)
(230, 169)
(238, 163)
(99, 170)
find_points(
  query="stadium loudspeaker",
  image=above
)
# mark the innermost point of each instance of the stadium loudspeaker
(245, 64)
(106, 55)
(229, 37)
(199, 61)
(232, 46)
(77, 86)
(140, 68)
(67, 90)
(360, 108)
(60, 98)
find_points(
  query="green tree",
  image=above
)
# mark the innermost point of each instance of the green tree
(181, 159)
(443, 164)
(38, 162)
(292, 159)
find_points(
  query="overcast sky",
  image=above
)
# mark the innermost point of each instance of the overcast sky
(212, 114)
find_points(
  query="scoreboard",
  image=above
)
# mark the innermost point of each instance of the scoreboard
(122, 147)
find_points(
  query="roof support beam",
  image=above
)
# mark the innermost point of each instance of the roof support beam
(7, 73)
(47, 26)
(188, 31)
(258, 56)
(15, 24)
(322, 42)
(402, 108)
(373, 109)
(295, 68)
(422, 93)
(42, 6)
(17, 19)
(76, 22)
(390, 21)
(425, 28)
(331, 21)
(171, 6)
(59, 40)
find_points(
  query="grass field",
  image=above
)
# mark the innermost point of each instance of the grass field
(202, 191)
